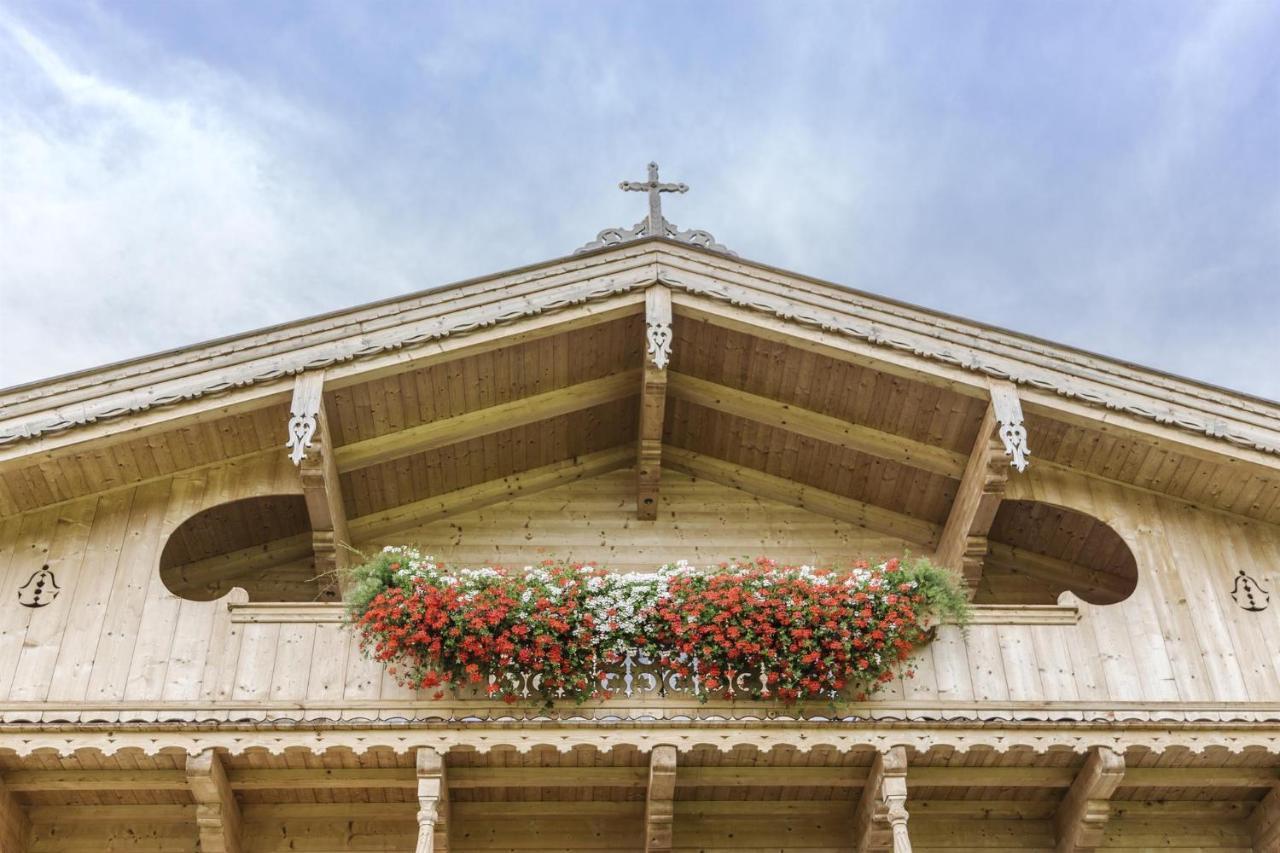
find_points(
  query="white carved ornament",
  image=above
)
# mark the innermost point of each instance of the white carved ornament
(1013, 433)
(659, 337)
(302, 428)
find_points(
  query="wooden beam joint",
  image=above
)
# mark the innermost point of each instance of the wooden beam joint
(1264, 822)
(1083, 814)
(880, 823)
(217, 812)
(659, 808)
(963, 544)
(433, 802)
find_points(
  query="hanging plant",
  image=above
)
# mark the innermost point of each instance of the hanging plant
(757, 628)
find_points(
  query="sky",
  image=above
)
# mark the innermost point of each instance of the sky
(1101, 174)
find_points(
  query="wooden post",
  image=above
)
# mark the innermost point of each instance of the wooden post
(217, 812)
(314, 454)
(659, 809)
(1264, 822)
(1082, 815)
(15, 827)
(433, 802)
(880, 823)
(963, 544)
(653, 399)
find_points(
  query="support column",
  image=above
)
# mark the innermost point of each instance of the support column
(659, 809)
(433, 802)
(217, 812)
(653, 399)
(880, 824)
(312, 451)
(1083, 813)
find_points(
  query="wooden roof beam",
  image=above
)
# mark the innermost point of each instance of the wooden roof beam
(659, 807)
(1083, 813)
(653, 400)
(880, 822)
(1056, 571)
(962, 546)
(811, 424)
(433, 802)
(486, 421)
(395, 519)
(1264, 822)
(217, 812)
(764, 485)
(313, 453)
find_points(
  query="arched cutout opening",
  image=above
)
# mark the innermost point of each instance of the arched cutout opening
(1036, 551)
(262, 544)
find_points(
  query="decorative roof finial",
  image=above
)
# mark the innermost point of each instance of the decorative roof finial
(655, 224)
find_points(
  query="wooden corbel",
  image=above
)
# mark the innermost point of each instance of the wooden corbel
(15, 826)
(659, 808)
(880, 823)
(433, 802)
(217, 812)
(1082, 815)
(653, 399)
(312, 451)
(1012, 431)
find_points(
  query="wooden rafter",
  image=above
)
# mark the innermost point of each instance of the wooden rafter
(880, 822)
(963, 543)
(217, 812)
(1264, 822)
(433, 802)
(1055, 571)
(659, 809)
(811, 424)
(385, 522)
(1082, 815)
(213, 572)
(764, 485)
(486, 421)
(653, 400)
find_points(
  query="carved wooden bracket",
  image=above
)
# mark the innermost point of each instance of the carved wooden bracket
(433, 802)
(217, 812)
(1082, 815)
(1013, 433)
(321, 486)
(880, 823)
(659, 809)
(653, 400)
(963, 543)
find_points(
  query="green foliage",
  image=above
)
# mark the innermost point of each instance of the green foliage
(943, 590)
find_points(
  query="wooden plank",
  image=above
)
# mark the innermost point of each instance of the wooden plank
(653, 400)
(217, 811)
(962, 545)
(369, 528)
(659, 809)
(759, 483)
(1082, 816)
(485, 421)
(806, 422)
(433, 802)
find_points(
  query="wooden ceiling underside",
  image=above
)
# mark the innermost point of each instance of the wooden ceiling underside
(847, 440)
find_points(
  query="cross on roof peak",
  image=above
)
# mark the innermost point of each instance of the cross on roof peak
(655, 224)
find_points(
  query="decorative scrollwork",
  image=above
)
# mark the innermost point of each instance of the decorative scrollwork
(302, 428)
(659, 337)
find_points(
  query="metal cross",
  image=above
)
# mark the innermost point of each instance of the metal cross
(656, 225)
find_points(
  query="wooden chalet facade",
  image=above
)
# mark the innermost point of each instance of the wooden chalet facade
(176, 674)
